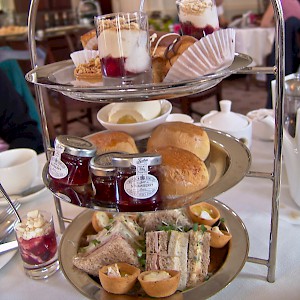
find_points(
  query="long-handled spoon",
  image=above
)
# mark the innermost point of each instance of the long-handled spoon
(10, 202)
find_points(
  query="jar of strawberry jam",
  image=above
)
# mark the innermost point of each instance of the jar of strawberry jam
(137, 179)
(103, 175)
(70, 163)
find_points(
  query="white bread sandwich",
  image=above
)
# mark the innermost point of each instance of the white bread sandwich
(118, 242)
(187, 252)
(177, 218)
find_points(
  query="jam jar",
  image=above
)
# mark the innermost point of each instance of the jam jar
(137, 182)
(103, 175)
(70, 163)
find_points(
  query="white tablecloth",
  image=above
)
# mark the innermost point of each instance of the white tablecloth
(251, 199)
(256, 42)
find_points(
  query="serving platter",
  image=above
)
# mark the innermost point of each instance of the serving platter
(238, 249)
(228, 162)
(59, 76)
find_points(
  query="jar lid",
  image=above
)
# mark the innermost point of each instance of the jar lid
(76, 146)
(225, 120)
(101, 165)
(292, 86)
(128, 160)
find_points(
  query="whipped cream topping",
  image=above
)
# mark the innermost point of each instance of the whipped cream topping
(33, 226)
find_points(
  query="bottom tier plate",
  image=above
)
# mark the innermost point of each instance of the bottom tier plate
(226, 271)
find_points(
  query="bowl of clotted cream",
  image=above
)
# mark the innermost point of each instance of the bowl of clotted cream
(135, 118)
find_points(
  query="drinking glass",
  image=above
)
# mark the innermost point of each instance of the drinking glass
(197, 17)
(37, 244)
(123, 43)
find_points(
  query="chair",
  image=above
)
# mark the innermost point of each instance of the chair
(185, 103)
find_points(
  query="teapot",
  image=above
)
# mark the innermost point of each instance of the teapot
(291, 135)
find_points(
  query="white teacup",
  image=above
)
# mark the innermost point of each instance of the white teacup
(18, 169)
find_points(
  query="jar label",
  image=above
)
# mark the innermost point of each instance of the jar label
(141, 186)
(57, 169)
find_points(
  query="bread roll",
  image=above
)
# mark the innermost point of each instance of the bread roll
(182, 135)
(159, 44)
(100, 219)
(181, 44)
(109, 141)
(181, 172)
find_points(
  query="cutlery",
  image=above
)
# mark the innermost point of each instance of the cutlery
(8, 211)
(6, 228)
(10, 202)
(8, 246)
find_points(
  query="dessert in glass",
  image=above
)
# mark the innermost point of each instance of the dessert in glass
(123, 43)
(37, 244)
(198, 18)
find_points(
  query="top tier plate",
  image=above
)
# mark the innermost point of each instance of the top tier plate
(59, 76)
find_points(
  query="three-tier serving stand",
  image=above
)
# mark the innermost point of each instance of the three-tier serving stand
(172, 91)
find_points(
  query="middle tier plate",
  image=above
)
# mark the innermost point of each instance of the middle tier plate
(228, 162)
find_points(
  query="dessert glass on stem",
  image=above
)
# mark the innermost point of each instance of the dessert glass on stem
(197, 17)
(37, 244)
(123, 43)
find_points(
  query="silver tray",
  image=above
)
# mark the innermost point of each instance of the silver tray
(228, 162)
(236, 257)
(60, 75)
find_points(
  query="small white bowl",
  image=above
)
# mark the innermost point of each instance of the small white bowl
(138, 130)
(180, 118)
(18, 169)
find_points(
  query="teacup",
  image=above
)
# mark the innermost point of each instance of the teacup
(18, 169)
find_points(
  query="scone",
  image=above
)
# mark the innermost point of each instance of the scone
(110, 141)
(182, 135)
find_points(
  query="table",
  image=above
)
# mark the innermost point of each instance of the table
(256, 42)
(251, 199)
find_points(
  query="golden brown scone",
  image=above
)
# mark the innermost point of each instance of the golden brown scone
(110, 141)
(182, 135)
(89, 40)
(175, 49)
(90, 71)
(181, 172)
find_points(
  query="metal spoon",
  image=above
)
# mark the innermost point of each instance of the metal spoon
(10, 202)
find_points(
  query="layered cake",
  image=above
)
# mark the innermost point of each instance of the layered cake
(123, 48)
(197, 17)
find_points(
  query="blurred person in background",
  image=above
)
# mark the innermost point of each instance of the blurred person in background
(17, 128)
(291, 14)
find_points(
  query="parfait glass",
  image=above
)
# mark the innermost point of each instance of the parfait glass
(197, 18)
(37, 244)
(123, 43)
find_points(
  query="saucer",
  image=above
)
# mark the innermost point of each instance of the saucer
(27, 198)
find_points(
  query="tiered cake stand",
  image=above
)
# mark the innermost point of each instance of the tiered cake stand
(55, 76)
